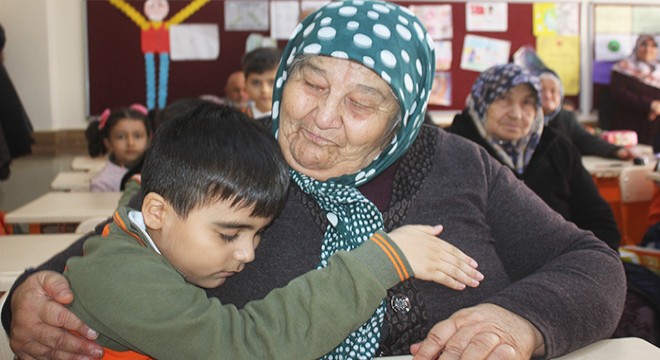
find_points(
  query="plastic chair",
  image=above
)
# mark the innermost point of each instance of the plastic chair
(4, 229)
(636, 193)
(89, 225)
(5, 350)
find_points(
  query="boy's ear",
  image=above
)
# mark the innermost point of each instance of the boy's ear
(154, 210)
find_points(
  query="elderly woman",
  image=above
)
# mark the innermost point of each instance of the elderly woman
(565, 122)
(349, 102)
(635, 91)
(504, 116)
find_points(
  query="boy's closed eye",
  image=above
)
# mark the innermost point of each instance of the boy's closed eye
(228, 235)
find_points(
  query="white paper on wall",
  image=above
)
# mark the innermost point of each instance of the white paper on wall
(283, 18)
(481, 16)
(613, 47)
(246, 15)
(480, 53)
(194, 42)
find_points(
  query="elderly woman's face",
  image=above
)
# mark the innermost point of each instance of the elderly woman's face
(335, 117)
(647, 51)
(550, 95)
(510, 116)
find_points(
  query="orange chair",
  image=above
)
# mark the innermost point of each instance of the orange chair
(636, 193)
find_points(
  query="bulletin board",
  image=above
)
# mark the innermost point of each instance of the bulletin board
(116, 70)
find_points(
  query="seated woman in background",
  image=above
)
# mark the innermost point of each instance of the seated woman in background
(504, 116)
(565, 122)
(635, 91)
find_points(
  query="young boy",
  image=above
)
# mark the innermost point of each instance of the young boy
(212, 182)
(260, 68)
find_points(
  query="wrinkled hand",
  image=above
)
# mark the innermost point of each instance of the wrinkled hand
(485, 331)
(655, 110)
(41, 324)
(626, 154)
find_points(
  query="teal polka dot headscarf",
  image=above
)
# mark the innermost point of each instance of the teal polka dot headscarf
(391, 41)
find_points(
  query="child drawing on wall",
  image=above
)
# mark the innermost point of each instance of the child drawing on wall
(155, 39)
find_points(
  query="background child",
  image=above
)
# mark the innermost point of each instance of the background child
(212, 182)
(260, 66)
(123, 134)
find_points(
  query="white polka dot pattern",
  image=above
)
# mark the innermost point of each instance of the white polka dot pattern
(391, 41)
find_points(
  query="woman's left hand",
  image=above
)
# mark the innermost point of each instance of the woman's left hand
(485, 331)
(655, 110)
(626, 154)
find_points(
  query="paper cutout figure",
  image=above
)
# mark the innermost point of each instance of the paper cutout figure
(155, 39)
(441, 90)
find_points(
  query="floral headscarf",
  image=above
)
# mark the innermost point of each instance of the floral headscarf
(490, 85)
(391, 41)
(648, 73)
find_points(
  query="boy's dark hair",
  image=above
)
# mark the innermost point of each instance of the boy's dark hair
(261, 60)
(210, 153)
(95, 136)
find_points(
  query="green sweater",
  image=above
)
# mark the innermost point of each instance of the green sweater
(137, 301)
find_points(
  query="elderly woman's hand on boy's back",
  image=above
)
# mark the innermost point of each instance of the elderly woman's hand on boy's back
(485, 331)
(655, 110)
(38, 307)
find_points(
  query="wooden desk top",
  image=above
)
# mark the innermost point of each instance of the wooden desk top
(610, 349)
(18, 252)
(602, 167)
(71, 181)
(654, 175)
(65, 207)
(87, 163)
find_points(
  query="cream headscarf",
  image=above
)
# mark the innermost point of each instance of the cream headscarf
(646, 72)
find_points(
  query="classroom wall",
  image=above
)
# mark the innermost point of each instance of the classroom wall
(44, 57)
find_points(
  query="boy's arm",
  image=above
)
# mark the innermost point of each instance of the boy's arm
(173, 319)
(132, 187)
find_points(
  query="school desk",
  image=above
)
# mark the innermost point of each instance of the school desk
(57, 207)
(71, 181)
(19, 252)
(626, 187)
(86, 163)
(610, 349)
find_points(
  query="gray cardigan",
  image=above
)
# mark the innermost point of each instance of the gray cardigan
(564, 280)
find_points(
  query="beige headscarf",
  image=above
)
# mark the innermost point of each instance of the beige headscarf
(646, 72)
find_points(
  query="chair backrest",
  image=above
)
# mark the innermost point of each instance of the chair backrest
(5, 350)
(635, 185)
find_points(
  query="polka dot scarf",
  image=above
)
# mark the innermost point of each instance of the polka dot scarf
(487, 88)
(391, 41)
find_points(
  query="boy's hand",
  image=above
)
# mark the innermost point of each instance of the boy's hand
(434, 259)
